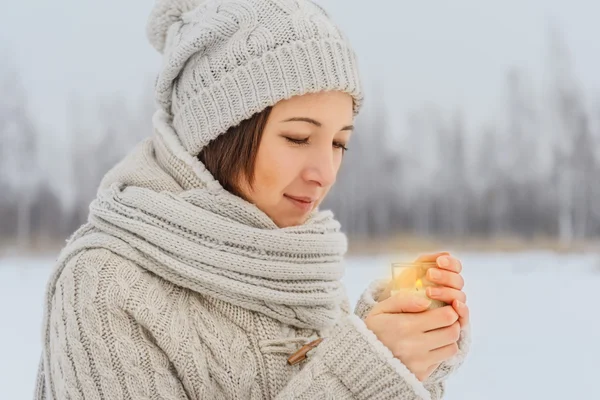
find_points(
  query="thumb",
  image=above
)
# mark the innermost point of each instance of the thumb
(402, 302)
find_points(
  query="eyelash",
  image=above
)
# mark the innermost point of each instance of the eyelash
(305, 141)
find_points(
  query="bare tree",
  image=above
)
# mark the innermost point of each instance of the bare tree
(451, 181)
(564, 116)
(584, 174)
(19, 166)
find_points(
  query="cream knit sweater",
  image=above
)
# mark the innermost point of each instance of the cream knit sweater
(124, 333)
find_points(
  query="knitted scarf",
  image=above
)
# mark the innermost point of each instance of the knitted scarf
(162, 209)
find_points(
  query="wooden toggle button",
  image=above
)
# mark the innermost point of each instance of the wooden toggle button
(300, 355)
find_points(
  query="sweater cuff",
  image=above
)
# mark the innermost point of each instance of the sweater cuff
(365, 365)
(369, 297)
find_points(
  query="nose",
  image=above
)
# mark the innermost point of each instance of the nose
(321, 167)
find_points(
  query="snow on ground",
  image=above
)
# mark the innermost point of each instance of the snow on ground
(536, 331)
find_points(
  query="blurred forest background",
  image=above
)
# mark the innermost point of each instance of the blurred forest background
(530, 172)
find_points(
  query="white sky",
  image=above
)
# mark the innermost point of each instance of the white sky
(451, 53)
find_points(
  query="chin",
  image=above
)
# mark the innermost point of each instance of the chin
(290, 221)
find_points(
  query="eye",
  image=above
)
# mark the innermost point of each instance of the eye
(296, 140)
(340, 145)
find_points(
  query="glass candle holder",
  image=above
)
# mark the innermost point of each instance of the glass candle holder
(411, 277)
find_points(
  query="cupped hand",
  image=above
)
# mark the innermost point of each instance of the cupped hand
(418, 337)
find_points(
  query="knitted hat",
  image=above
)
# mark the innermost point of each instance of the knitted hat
(225, 60)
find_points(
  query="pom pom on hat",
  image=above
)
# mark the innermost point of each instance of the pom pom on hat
(163, 15)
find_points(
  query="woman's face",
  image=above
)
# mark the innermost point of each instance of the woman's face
(299, 155)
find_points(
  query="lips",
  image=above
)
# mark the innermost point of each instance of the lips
(302, 202)
(301, 198)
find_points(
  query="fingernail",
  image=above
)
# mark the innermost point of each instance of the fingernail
(443, 261)
(434, 273)
(460, 304)
(434, 291)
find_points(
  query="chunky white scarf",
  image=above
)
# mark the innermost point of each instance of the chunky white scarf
(162, 209)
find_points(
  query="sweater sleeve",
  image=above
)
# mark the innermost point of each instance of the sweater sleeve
(351, 363)
(96, 351)
(369, 297)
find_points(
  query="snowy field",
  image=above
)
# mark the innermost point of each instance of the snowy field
(536, 325)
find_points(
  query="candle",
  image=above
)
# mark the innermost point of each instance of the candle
(411, 278)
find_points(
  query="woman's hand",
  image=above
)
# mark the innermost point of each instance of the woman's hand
(450, 284)
(420, 339)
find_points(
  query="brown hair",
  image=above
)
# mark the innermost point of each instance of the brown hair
(231, 157)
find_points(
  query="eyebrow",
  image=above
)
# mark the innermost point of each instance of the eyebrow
(315, 122)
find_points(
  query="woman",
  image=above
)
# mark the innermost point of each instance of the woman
(205, 264)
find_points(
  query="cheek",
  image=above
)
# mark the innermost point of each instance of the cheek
(337, 162)
(276, 167)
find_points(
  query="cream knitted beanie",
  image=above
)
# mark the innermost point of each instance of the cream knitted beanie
(225, 60)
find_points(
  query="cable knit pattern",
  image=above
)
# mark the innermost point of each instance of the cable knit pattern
(176, 289)
(225, 60)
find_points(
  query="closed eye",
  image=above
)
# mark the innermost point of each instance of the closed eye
(336, 144)
(296, 140)
(340, 145)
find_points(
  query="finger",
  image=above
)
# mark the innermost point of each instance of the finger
(446, 278)
(443, 353)
(402, 302)
(442, 337)
(446, 294)
(463, 312)
(437, 318)
(431, 257)
(449, 263)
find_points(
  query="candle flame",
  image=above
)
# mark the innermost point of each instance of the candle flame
(419, 284)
